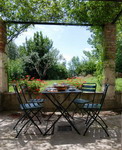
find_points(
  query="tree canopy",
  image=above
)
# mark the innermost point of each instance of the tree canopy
(57, 11)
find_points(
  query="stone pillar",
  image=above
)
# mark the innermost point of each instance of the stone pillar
(3, 58)
(109, 61)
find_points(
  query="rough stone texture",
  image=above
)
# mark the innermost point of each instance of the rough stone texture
(109, 60)
(10, 102)
(3, 73)
(3, 58)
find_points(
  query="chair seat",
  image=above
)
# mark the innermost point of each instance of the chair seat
(92, 106)
(30, 106)
(81, 101)
(36, 100)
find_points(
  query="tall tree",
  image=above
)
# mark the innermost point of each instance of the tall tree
(39, 55)
(12, 51)
(74, 65)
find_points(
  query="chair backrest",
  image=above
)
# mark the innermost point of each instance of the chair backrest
(25, 92)
(89, 87)
(17, 91)
(21, 96)
(104, 94)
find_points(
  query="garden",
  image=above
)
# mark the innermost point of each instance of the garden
(37, 85)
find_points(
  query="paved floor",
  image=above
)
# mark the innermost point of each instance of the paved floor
(95, 139)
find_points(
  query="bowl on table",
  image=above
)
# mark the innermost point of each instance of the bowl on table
(61, 87)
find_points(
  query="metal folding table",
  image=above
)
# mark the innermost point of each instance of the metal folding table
(59, 106)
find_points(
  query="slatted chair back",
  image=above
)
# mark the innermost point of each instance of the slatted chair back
(89, 87)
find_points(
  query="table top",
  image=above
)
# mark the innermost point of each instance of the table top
(61, 92)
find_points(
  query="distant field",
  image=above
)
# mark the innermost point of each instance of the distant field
(90, 80)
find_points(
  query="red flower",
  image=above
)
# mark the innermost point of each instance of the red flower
(37, 90)
(32, 78)
(27, 76)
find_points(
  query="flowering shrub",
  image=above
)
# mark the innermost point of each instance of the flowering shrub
(77, 82)
(33, 84)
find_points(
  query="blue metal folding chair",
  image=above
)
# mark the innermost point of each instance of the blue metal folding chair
(93, 110)
(86, 87)
(30, 111)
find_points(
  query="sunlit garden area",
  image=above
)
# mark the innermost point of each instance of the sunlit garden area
(53, 96)
(38, 85)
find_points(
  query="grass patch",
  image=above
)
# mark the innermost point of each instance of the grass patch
(118, 84)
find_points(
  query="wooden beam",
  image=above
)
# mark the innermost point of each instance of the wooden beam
(51, 23)
(117, 17)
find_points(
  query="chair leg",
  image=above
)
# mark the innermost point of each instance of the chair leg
(95, 113)
(95, 119)
(30, 118)
(23, 117)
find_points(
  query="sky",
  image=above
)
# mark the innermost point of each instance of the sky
(69, 40)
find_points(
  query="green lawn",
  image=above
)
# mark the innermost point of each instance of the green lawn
(119, 84)
(90, 80)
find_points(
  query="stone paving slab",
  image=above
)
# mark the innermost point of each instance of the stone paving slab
(95, 139)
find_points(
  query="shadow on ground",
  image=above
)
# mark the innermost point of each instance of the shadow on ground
(95, 139)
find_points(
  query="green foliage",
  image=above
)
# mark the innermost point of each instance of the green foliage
(119, 60)
(73, 11)
(12, 51)
(119, 49)
(15, 69)
(74, 66)
(83, 67)
(87, 67)
(32, 10)
(57, 72)
(118, 84)
(39, 56)
(99, 72)
(91, 11)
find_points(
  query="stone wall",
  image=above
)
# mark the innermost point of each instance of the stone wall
(9, 101)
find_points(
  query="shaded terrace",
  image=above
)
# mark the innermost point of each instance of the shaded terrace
(66, 140)
(69, 139)
(105, 20)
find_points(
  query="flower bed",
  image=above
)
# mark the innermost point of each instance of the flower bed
(77, 82)
(34, 85)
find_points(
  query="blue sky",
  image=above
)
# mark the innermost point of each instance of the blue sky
(69, 40)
